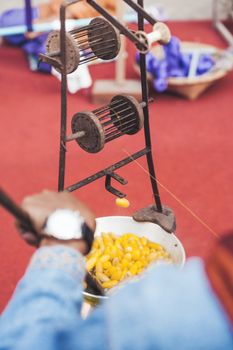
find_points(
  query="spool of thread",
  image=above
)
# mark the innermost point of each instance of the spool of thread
(161, 34)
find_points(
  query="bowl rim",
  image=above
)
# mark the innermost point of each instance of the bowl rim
(148, 222)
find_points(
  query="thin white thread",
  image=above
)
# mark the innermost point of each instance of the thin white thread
(175, 197)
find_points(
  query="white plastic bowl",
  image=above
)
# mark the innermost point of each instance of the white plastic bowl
(120, 225)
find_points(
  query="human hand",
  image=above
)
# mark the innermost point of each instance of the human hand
(41, 205)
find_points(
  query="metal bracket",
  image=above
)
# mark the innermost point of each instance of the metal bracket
(50, 60)
(118, 178)
(63, 145)
(166, 219)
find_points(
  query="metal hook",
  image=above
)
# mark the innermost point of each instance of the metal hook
(111, 189)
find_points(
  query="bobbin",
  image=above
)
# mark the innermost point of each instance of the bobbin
(91, 130)
(161, 34)
(98, 40)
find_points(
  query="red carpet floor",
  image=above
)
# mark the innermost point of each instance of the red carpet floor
(192, 143)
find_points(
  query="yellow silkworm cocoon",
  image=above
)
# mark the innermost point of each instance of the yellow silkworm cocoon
(115, 261)
(153, 256)
(144, 241)
(109, 284)
(155, 246)
(116, 275)
(91, 263)
(106, 265)
(122, 202)
(102, 277)
(99, 267)
(134, 270)
(115, 258)
(104, 258)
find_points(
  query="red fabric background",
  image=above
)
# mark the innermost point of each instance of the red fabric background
(192, 143)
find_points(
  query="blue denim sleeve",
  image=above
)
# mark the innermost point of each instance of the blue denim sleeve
(167, 309)
(45, 308)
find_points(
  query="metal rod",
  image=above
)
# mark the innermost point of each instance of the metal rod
(104, 172)
(106, 116)
(104, 52)
(141, 11)
(75, 136)
(96, 53)
(120, 111)
(88, 56)
(107, 112)
(120, 119)
(62, 157)
(114, 103)
(109, 122)
(145, 98)
(79, 30)
(16, 211)
(121, 130)
(114, 127)
(113, 137)
(112, 120)
(96, 42)
(94, 58)
(94, 37)
(119, 103)
(84, 52)
(87, 28)
(117, 114)
(103, 114)
(93, 26)
(83, 41)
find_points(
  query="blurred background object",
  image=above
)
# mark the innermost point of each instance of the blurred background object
(223, 10)
(186, 68)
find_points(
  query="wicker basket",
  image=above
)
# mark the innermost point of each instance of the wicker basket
(192, 88)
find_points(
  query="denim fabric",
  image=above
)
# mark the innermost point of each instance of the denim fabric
(167, 309)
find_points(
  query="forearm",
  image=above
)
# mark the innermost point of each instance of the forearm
(47, 301)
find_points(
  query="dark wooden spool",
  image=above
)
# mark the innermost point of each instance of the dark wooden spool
(98, 40)
(123, 115)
